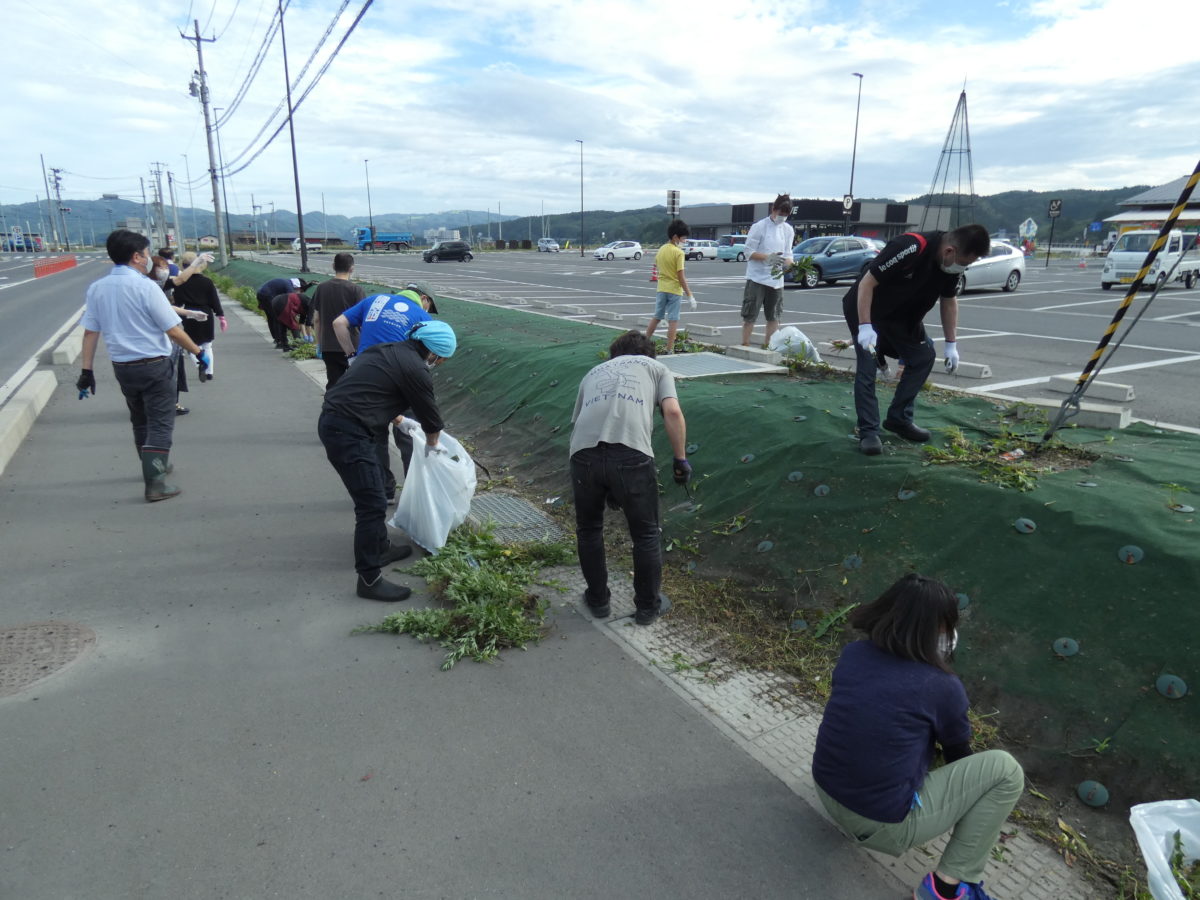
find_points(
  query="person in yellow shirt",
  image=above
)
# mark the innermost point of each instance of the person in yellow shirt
(672, 283)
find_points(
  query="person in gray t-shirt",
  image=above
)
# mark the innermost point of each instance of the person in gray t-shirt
(612, 461)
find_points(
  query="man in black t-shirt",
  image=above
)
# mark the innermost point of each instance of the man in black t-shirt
(330, 300)
(886, 309)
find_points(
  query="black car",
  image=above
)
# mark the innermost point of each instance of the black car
(459, 250)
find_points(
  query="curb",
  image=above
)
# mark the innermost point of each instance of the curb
(18, 415)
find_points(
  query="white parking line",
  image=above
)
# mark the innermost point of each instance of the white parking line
(1108, 370)
(1176, 316)
(1072, 305)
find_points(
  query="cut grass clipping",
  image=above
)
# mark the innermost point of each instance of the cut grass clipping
(487, 587)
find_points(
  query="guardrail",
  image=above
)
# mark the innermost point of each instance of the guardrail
(55, 264)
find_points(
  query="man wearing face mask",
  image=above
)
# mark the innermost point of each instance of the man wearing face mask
(139, 326)
(385, 380)
(769, 245)
(885, 310)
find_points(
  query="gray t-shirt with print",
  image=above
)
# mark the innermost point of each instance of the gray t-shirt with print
(616, 403)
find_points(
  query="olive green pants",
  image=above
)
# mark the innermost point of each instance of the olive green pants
(971, 798)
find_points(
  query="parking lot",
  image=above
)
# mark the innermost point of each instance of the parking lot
(1048, 327)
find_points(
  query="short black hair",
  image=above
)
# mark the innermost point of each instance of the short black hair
(678, 228)
(971, 239)
(631, 343)
(343, 262)
(783, 201)
(123, 243)
(166, 253)
(305, 285)
(908, 619)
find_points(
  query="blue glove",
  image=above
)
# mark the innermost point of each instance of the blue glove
(683, 471)
(319, 356)
(204, 358)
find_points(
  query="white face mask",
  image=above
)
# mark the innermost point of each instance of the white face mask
(149, 263)
(953, 268)
(947, 643)
(778, 220)
(160, 275)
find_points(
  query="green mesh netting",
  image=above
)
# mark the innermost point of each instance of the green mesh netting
(784, 498)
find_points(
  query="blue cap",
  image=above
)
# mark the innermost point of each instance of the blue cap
(437, 336)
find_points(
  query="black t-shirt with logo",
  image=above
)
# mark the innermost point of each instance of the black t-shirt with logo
(910, 282)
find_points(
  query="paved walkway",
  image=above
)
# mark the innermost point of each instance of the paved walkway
(228, 736)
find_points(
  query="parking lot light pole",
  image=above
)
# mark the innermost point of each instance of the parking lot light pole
(370, 215)
(579, 141)
(854, 149)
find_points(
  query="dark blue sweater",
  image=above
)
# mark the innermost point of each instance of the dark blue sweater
(876, 739)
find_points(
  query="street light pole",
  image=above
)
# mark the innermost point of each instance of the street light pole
(579, 141)
(370, 215)
(287, 83)
(224, 196)
(854, 150)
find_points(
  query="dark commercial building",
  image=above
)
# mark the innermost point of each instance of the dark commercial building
(811, 218)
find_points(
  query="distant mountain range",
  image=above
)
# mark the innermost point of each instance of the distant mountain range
(1004, 211)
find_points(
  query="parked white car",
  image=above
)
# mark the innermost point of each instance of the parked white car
(1003, 268)
(310, 245)
(549, 245)
(699, 249)
(619, 250)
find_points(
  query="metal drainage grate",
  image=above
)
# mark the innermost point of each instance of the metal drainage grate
(29, 653)
(515, 520)
(702, 365)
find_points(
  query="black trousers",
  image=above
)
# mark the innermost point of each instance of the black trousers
(918, 354)
(150, 392)
(627, 478)
(353, 452)
(335, 366)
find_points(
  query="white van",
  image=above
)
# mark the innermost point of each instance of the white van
(699, 249)
(311, 245)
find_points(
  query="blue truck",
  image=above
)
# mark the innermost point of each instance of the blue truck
(384, 240)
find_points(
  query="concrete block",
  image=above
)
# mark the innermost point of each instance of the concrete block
(1091, 415)
(571, 310)
(1097, 390)
(965, 369)
(21, 411)
(68, 348)
(609, 314)
(702, 329)
(541, 304)
(754, 354)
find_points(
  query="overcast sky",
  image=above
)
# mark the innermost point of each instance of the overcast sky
(479, 104)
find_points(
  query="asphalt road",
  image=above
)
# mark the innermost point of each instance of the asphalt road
(1049, 326)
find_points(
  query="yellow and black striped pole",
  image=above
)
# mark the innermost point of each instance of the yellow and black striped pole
(1070, 406)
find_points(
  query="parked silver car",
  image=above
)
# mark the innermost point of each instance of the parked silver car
(1003, 268)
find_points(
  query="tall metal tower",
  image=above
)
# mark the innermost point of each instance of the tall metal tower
(954, 172)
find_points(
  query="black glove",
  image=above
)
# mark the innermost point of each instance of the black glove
(86, 382)
(683, 471)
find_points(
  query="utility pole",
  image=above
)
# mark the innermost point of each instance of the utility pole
(160, 205)
(145, 209)
(274, 234)
(191, 203)
(324, 221)
(287, 80)
(179, 241)
(224, 196)
(57, 173)
(370, 215)
(49, 215)
(499, 222)
(199, 88)
(254, 218)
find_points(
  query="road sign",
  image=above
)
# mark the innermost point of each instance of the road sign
(847, 203)
(1027, 229)
(1055, 209)
(1096, 226)
(672, 203)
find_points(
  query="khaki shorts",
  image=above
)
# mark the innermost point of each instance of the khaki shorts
(769, 298)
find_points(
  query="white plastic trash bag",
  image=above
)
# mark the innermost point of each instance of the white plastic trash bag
(1155, 825)
(437, 492)
(791, 341)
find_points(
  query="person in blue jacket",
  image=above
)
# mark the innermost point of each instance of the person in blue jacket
(895, 698)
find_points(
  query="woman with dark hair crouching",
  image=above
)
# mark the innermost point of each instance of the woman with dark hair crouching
(895, 697)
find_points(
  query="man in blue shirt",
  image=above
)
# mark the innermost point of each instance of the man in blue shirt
(139, 326)
(386, 319)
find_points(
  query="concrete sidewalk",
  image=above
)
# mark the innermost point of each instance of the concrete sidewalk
(227, 736)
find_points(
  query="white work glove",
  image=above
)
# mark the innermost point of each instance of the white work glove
(951, 356)
(408, 426)
(867, 337)
(207, 257)
(691, 302)
(775, 260)
(197, 315)
(434, 448)
(350, 359)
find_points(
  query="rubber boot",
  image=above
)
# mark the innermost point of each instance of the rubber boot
(170, 465)
(154, 470)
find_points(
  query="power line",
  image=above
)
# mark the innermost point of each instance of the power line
(210, 15)
(295, 83)
(316, 80)
(255, 65)
(229, 21)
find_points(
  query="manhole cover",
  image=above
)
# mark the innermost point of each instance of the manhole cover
(514, 519)
(29, 653)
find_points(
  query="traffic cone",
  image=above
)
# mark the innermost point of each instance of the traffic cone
(1083, 264)
(654, 273)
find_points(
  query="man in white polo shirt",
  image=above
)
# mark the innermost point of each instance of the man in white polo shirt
(138, 325)
(769, 251)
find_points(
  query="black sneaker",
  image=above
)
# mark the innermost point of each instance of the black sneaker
(394, 554)
(907, 430)
(871, 445)
(381, 589)
(181, 410)
(649, 616)
(601, 610)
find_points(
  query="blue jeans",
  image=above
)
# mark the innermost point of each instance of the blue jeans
(918, 354)
(666, 306)
(353, 451)
(150, 392)
(625, 478)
